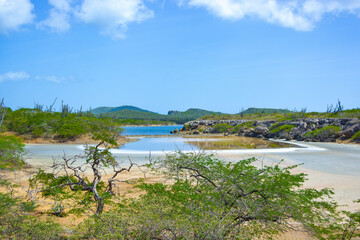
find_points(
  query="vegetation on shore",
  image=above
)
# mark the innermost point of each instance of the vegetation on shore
(34, 123)
(205, 198)
(352, 113)
(12, 151)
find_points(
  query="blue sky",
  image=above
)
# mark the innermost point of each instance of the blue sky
(160, 55)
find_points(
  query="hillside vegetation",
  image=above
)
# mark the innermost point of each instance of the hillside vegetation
(134, 113)
(264, 110)
(277, 116)
(59, 126)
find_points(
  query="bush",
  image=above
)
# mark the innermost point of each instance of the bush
(15, 223)
(282, 128)
(356, 136)
(222, 127)
(12, 151)
(324, 133)
(213, 199)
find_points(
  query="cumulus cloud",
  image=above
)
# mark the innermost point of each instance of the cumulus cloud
(113, 16)
(15, 13)
(14, 76)
(22, 75)
(300, 15)
(59, 16)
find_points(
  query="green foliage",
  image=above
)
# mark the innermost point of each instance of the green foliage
(72, 183)
(16, 223)
(222, 127)
(129, 112)
(353, 113)
(186, 127)
(135, 122)
(325, 132)
(356, 136)
(247, 124)
(275, 128)
(100, 110)
(264, 110)
(212, 199)
(12, 151)
(35, 123)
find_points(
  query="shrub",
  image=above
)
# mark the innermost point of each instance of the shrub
(12, 151)
(323, 133)
(213, 199)
(222, 127)
(282, 128)
(356, 136)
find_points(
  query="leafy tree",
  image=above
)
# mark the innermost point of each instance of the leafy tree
(208, 198)
(12, 151)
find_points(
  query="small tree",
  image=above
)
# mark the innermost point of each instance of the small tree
(213, 199)
(69, 180)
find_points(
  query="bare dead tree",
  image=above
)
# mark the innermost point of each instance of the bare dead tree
(38, 106)
(51, 107)
(65, 109)
(68, 174)
(335, 109)
(338, 107)
(2, 112)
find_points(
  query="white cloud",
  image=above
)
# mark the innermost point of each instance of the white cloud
(51, 78)
(113, 16)
(15, 13)
(22, 75)
(59, 17)
(301, 15)
(14, 76)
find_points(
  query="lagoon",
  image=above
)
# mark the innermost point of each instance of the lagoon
(149, 130)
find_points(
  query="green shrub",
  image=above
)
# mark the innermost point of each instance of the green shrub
(248, 124)
(222, 127)
(12, 151)
(356, 136)
(325, 132)
(282, 128)
(35, 123)
(213, 199)
(186, 127)
(71, 130)
(17, 225)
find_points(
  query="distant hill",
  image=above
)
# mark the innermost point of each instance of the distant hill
(190, 114)
(264, 110)
(131, 112)
(100, 110)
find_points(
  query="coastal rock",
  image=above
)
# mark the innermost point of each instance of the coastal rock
(261, 130)
(299, 130)
(349, 132)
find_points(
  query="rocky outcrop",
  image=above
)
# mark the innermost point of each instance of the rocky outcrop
(309, 129)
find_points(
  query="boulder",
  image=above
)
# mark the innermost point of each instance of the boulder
(261, 130)
(347, 133)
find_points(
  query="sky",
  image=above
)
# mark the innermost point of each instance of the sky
(160, 55)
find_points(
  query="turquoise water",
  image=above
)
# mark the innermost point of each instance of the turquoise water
(154, 144)
(152, 130)
(159, 144)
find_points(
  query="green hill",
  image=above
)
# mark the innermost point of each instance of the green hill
(189, 115)
(264, 110)
(100, 110)
(130, 112)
